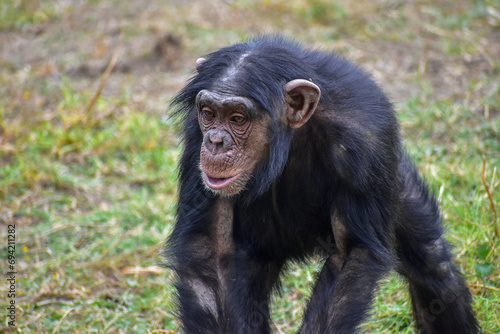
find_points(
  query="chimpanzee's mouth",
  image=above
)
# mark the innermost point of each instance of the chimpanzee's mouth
(217, 183)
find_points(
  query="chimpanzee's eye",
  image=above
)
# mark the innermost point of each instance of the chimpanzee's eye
(238, 119)
(207, 113)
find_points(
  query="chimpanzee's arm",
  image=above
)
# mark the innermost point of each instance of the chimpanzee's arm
(342, 298)
(199, 252)
(344, 288)
(223, 289)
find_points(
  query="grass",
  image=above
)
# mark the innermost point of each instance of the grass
(91, 188)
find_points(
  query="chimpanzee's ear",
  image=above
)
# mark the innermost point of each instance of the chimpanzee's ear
(301, 98)
(199, 63)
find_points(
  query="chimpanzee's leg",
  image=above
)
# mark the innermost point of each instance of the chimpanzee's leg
(440, 298)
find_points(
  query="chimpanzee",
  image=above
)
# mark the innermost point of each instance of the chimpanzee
(290, 153)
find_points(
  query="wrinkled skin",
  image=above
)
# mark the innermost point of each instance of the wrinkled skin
(236, 133)
(233, 143)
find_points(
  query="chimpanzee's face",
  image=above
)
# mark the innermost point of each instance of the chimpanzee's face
(235, 140)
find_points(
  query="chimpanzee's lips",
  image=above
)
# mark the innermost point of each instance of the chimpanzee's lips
(217, 183)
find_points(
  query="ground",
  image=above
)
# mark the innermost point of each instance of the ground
(88, 159)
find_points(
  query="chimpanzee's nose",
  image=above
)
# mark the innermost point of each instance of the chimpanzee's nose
(217, 141)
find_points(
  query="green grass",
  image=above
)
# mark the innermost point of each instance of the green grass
(92, 191)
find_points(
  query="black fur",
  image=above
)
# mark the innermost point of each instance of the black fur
(346, 162)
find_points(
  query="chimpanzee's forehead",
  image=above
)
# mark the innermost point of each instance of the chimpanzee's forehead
(218, 98)
(223, 99)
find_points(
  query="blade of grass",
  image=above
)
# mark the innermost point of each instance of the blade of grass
(490, 197)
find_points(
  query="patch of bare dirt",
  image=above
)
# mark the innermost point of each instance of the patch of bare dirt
(162, 39)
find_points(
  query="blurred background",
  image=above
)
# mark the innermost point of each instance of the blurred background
(88, 162)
